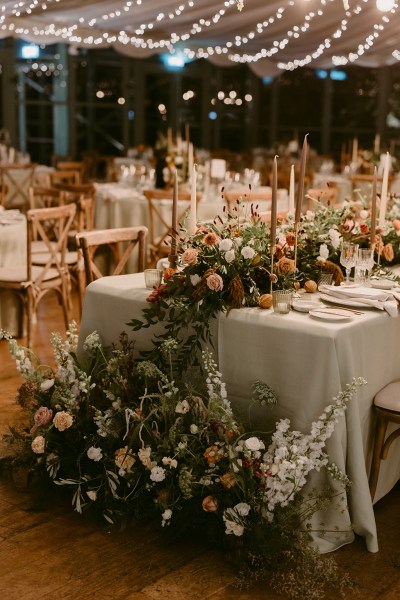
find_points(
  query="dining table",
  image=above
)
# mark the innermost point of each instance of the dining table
(13, 248)
(307, 361)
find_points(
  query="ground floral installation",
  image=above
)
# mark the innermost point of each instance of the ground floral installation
(128, 440)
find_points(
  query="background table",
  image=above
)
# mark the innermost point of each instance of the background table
(307, 362)
(13, 240)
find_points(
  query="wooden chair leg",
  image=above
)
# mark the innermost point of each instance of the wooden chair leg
(380, 432)
(65, 300)
(29, 312)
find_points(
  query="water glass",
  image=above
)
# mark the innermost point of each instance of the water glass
(364, 264)
(348, 257)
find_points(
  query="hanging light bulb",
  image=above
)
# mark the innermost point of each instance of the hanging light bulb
(385, 5)
(240, 4)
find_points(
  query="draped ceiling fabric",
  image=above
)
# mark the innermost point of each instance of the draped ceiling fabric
(364, 21)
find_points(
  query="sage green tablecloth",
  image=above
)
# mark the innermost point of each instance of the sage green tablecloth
(307, 362)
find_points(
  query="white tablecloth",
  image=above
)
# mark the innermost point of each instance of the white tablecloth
(12, 254)
(307, 362)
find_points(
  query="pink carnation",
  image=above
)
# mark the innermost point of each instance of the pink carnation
(43, 416)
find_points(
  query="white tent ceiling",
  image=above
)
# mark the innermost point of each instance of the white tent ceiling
(270, 35)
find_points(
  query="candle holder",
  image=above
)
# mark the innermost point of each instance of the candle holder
(173, 261)
(282, 301)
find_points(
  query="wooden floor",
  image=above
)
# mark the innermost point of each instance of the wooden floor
(55, 554)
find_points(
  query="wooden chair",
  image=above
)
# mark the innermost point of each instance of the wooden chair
(364, 181)
(90, 241)
(160, 221)
(77, 166)
(63, 177)
(43, 197)
(32, 282)
(232, 197)
(387, 408)
(15, 181)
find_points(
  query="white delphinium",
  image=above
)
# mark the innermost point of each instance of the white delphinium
(234, 519)
(323, 253)
(292, 455)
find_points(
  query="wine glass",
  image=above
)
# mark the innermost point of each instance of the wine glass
(348, 258)
(364, 263)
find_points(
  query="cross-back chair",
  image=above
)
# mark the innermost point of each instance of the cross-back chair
(234, 197)
(44, 197)
(327, 195)
(73, 165)
(160, 219)
(90, 241)
(33, 281)
(15, 181)
(63, 177)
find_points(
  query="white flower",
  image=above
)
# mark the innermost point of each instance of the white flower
(233, 528)
(157, 474)
(247, 252)
(230, 256)
(38, 444)
(254, 444)
(242, 509)
(94, 453)
(46, 384)
(238, 241)
(195, 279)
(363, 214)
(194, 429)
(182, 407)
(171, 462)
(92, 495)
(335, 238)
(225, 245)
(92, 342)
(310, 215)
(167, 514)
(144, 457)
(323, 252)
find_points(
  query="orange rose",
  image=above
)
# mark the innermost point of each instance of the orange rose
(364, 227)
(388, 253)
(209, 504)
(290, 238)
(210, 239)
(228, 480)
(286, 265)
(212, 455)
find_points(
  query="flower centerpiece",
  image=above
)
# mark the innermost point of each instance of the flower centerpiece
(126, 439)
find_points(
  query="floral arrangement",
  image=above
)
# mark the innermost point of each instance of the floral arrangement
(127, 439)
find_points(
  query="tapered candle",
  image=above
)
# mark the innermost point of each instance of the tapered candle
(355, 151)
(377, 143)
(291, 191)
(169, 138)
(190, 160)
(187, 134)
(300, 187)
(274, 203)
(174, 214)
(373, 210)
(193, 204)
(384, 191)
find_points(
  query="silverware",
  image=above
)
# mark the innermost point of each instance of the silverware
(328, 312)
(352, 310)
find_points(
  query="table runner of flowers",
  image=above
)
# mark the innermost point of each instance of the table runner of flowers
(129, 440)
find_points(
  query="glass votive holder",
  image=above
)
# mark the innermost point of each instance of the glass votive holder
(324, 279)
(152, 277)
(281, 301)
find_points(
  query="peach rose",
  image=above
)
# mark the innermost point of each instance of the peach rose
(43, 416)
(210, 239)
(209, 504)
(189, 257)
(38, 444)
(364, 227)
(286, 265)
(214, 282)
(63, 420)
(396, 224)
(388, 253)
(290, 238)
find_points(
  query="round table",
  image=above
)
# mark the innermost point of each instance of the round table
(13, 240)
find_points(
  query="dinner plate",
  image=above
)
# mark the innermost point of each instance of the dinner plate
(383, 284)
(330, 314)
(305, 305)
(345, 301)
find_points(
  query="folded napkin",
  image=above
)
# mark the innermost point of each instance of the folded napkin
(380, 299)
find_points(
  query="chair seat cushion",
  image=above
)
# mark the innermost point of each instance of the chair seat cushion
(19, 274)
(389, 397)
(41, 258)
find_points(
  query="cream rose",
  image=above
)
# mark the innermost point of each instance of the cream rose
(62, 420)
(214, 282)
(38, 444)
(189, 257)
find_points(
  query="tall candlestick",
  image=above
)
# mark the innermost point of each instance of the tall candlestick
(373, 210)
(377, 143)
(187, 134)
(174, 214)
(354, 155)
(193, 203)
(384, 191)
(190, 160)
(300, 188)
(274, 203)
(291, 191)
(169, 139)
